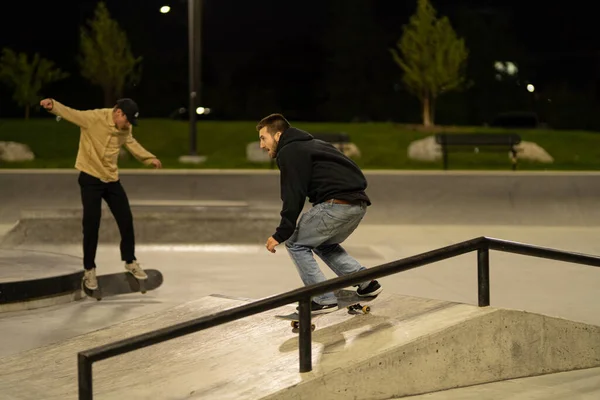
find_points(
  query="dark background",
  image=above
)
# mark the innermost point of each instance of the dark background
(324, 60)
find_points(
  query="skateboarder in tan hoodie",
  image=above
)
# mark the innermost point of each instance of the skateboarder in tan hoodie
(103, 132)
(335, 186)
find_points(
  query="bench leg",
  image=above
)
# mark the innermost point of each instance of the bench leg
(445, 156)
(514, 159)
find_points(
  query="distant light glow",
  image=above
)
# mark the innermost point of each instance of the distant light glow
(507, 67)
(165, 9)
(530, 88)
(511, 68)
(202, 110)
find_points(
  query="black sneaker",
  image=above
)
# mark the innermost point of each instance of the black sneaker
(372, 290)
(316, 308)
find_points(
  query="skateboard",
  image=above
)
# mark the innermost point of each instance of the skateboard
(347, 299)
(124, 283)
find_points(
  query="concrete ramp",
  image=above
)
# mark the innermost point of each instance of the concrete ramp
(405, 346)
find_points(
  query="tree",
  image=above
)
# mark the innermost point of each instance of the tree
(433, 58)
(106, 59)
(27, 78)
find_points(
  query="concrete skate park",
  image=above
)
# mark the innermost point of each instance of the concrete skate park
(431, 334)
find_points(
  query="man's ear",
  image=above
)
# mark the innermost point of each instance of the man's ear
(277, 136)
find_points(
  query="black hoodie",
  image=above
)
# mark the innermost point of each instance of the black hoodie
(315, 169)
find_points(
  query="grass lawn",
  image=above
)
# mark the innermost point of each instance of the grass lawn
(383, 145)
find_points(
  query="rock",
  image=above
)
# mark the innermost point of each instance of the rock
(425, 150)
(14, 152)
(255, 154)
(428, 150)
(533, 152)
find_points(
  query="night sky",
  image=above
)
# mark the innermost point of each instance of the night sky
(270, 55)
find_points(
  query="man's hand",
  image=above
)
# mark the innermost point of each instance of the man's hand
(47, 104)
(156, 162)
(271, 243)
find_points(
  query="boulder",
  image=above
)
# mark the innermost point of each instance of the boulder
(533, 152)
(255, 154)
(15, 152)
(425, 150)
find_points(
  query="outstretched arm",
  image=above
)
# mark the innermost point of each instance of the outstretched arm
(77, 117)
(140, 153)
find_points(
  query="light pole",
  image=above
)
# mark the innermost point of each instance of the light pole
(194, 55)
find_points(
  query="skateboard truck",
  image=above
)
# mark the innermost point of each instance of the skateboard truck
(296, 325)
(355, 308)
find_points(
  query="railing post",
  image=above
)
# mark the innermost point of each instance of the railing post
(483, 275)
(84, 372)
(305, 345)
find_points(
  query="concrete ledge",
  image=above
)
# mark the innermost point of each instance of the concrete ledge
(33, 279)
(76, 294)
(153, 224)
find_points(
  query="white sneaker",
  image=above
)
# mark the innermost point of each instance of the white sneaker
(135, 270)
(89, 279)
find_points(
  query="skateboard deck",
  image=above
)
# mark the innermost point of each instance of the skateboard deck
(347, 299)
(124, 283)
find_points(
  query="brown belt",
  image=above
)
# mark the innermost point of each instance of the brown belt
(336, 201)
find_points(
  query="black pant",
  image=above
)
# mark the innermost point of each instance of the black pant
(93, 190)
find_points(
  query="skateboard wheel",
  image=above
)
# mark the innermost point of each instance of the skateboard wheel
(312, 327)
(366, 309)
(294, 324)
(144, 292)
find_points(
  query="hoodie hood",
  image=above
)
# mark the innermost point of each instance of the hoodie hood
(292, 135)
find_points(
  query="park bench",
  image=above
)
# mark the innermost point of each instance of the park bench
(463, 142)
(330, 137)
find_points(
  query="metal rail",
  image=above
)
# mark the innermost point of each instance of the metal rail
(303, 296)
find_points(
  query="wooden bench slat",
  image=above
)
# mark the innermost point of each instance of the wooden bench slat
(478, 139)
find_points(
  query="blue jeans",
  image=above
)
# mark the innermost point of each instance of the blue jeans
(321, 230)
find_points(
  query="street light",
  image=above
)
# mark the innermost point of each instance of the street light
(165, 9)
(194, 30)
(530, 88)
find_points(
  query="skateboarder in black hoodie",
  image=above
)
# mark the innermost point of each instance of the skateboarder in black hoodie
(335, 186)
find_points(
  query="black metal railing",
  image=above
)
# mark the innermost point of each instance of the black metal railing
(303, 295)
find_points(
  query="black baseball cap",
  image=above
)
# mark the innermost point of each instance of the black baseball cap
(130, 109)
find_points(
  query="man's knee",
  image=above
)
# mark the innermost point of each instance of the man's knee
(292, 246)
(127, 220)
(91, 219)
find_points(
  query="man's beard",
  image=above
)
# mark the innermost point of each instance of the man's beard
(273, 151)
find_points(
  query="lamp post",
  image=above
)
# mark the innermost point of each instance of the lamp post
(194, 55)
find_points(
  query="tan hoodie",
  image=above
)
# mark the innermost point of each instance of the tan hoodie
(100, 141)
